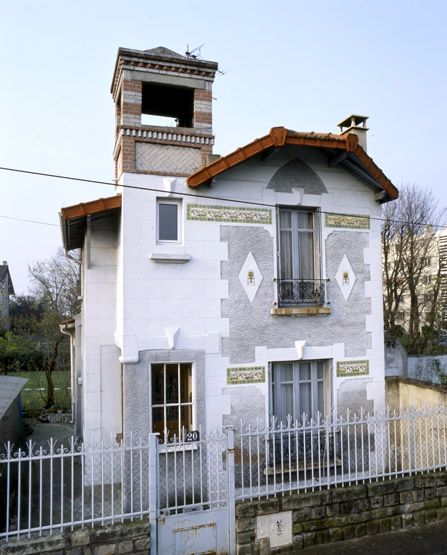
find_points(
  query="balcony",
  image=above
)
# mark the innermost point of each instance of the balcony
(301, 292)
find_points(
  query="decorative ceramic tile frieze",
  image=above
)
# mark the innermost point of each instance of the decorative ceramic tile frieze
(250, 277)
(347, 221)
(352, 368)
(345, 277)
(230, 214)
(245, 374)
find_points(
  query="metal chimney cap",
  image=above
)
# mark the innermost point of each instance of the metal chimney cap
(354, 120)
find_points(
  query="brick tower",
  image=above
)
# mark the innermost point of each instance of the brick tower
(160, 82)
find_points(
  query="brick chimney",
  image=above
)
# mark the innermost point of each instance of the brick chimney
(177, 90)
(357, 125)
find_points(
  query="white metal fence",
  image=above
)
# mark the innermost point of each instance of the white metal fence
(311, 454)
(47, 489)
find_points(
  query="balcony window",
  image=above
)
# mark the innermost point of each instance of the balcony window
(299, 280)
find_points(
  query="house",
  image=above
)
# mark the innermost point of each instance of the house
(6, 289)
(431, 285)
(221, 288)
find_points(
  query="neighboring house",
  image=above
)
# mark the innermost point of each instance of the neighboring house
(6, 289)
(434, 268)
(11, 417)
(216, 289)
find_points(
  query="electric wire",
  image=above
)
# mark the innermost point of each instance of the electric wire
(180, 193)
(27, 221)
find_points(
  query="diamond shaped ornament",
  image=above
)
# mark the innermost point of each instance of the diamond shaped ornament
(345, 277)
(250, 277)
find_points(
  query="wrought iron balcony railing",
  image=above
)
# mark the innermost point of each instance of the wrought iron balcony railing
(295, 292)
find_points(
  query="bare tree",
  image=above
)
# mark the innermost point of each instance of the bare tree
(56, 285)
(410, 253)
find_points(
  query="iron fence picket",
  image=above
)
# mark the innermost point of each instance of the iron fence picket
(53, 487)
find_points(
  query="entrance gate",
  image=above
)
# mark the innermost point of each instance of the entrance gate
(194, 488)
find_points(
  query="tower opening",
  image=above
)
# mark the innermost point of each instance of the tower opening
(166, 101)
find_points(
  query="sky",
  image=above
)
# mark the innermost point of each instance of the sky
(303, 65)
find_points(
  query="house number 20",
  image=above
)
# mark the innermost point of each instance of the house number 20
(190, 437)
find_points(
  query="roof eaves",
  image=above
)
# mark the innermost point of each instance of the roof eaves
(76, 215)
(91, 207)
(279, 136)
(375, 172)
(206, 174)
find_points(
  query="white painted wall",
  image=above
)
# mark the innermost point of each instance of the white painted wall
(101, 412)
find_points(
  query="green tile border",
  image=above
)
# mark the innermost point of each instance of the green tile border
(348, 221)
(245, 374)
(230, 214)
(347, 368)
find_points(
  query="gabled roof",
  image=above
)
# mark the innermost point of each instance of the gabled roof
(74, 218)
(340, 149)
(4, 271)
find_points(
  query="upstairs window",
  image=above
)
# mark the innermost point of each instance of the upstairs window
(168, 220)
(299, 280)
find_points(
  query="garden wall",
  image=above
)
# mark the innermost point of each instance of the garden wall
(126, 538)
(339, 514)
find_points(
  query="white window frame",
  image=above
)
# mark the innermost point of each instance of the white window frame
(317, 259)
(327, 402)
(179, 404)
(179, 205)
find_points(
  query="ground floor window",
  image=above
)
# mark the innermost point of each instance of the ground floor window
(297, 388)
(172, 399)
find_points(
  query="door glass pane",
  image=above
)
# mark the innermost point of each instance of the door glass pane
(305, 220)
(185, 383)
(167, 222)
(306, 255)
(305, 399)
(158, 421)
(304, 371)
(286, 372)
(320, 370)
(285, 219)
(172, 384)
(186, 421)
(321, 398)
(286, 401)
(157, 384)
(172, 422)
(286, 254)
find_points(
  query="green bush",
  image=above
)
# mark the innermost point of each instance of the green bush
(18, 352)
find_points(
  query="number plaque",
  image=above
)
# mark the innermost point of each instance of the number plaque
(192, 436)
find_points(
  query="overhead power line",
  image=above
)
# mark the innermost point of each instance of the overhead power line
(27, 221)
(179, 193)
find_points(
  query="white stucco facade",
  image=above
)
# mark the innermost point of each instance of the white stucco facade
(208, 303)
(135, 299)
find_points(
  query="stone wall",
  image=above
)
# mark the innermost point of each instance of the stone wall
(428, 368)
(403, 393)
(343, 513)
(123, 539)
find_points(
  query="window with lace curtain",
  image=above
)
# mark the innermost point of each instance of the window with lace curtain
(299, 281)
(299, 388)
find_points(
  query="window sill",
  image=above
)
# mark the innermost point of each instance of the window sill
(166, 258)
(300, 310)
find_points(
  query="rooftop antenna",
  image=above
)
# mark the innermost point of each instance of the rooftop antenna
(191, 53)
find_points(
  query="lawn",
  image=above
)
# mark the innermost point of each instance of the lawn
(33, 394)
